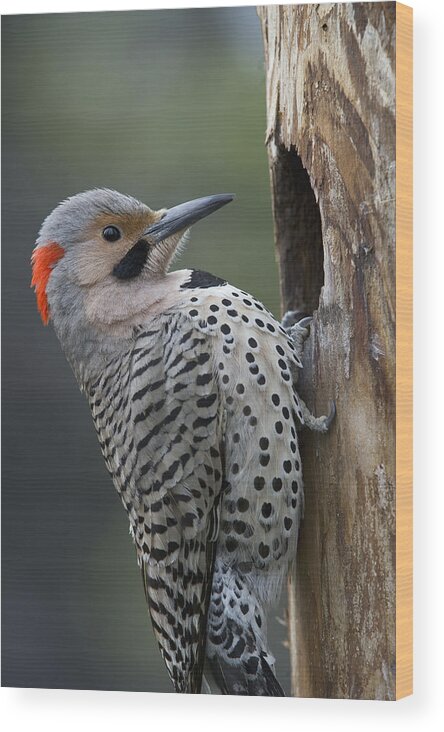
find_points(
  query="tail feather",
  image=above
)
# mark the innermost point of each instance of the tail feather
(238, 661)
(273, 686)
(236, 680)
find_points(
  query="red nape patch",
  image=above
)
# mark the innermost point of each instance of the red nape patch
(43, 260)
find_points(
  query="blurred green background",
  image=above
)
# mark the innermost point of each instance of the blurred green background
(166, 106)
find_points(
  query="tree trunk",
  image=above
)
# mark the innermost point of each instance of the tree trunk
(331, 142)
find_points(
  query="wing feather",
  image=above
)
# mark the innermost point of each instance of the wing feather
(176, 425)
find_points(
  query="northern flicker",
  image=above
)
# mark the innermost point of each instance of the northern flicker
(192, 388)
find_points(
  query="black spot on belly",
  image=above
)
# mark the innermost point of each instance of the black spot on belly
(239, 527)
(231, 544)
(242, 504)
(202, 279)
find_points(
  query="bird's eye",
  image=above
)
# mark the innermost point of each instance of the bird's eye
(111, 233)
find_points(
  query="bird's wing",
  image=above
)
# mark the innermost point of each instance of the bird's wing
(177, 429)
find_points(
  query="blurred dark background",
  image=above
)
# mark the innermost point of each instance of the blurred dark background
(166, 106)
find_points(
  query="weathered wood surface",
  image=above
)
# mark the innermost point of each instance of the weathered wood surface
(330, 73)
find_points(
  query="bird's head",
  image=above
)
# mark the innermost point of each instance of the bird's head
(98, 247)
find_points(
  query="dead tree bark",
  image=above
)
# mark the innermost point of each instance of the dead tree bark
(330, 73)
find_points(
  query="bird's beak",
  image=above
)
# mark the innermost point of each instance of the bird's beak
(183, 216)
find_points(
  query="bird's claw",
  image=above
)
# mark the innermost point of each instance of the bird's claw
(331, 415)
(297, 329)
(289, 319)
(305, 322)
(295, 317)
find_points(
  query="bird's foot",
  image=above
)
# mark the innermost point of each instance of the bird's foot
(297, 326)
(318, 424)
(328, 419)
(291, 317)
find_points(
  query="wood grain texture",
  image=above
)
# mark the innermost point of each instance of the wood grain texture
(331, 127)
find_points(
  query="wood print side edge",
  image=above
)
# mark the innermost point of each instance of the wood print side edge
(404, 351)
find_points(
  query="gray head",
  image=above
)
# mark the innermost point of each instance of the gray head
(102, 239)
(101, 257)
